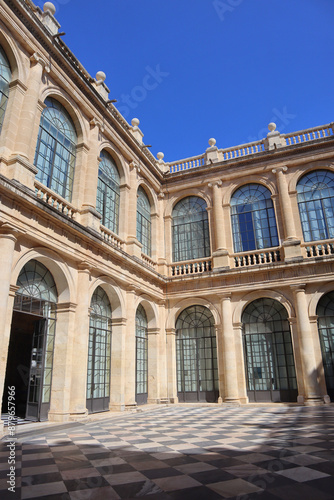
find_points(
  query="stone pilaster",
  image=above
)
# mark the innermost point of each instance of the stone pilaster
(291, 244)
(310, 370)
(118, 372)
(133, 245)
(171, 365)
(220, 253)
(153, 366)
(231, 393)
(130, 353)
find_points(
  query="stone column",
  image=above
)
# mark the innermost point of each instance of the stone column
(221, 374)
(89, 215)
(220, 253)
(240, 356)
(162, 250)
(63, 358)
(133, 245)
(231, 393)
(80, 343)
(118, 373)
(153, 367)
(8, 238)
(291, 244)
(318, 359)
(20, 167)
(171, 365)
(11, 121)
(130, 353)
(310, 369)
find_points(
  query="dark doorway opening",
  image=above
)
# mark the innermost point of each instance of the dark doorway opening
(18, 361)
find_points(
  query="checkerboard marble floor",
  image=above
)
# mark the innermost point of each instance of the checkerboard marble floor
(180, 452)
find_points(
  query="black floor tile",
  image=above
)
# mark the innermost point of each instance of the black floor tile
(139, 489)
(86, 483)
(156, 473)
(41, 478)
(197, 493)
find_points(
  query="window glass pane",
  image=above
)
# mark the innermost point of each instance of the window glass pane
(190, 228)
(108, 192)
(141, 351)
(5, 78)
(144, 221)
(56, 149)
(253, 219)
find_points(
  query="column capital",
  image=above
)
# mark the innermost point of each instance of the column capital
(134, 166)
(298, 288)
(95, 122)
(84, 266)
(153, 331)
(13, 289)
(65, 307)
(214, 184)
(171, 331)
(36, 58)
(8, 230)
(278, 170)
(225, 296)
(118, 321)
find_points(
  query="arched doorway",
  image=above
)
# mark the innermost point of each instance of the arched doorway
(196, 356)
(325, 312)
(270, 366)
(141, 355)
(99, 353)
(30, 352)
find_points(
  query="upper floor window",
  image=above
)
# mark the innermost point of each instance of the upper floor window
(56, 148)
(107, 201)
(190, 225)
(144, 221)
(253, 219)
(5, 78)
(315, 194)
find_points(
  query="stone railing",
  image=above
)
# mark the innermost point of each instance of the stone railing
(148, 261)
(250, 148)
(258, 257)
(60, 204)
(310, 134)
(111, 238)
(189, 267)
(318, 250)
(243, 150)
(178, 166)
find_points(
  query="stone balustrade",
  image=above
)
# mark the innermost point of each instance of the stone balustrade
(310, 134)
(111, 238)
(55, 201)
(318, 250)
(243, 150)
(148, 261)
(258, 257)
(197, 266)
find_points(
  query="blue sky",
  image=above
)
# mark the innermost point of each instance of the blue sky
(195, 69)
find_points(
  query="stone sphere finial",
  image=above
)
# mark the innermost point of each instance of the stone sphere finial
(160, 156)
(49, 6)
(100, 76)
(135, 122)
(212, 141)
(272, 126)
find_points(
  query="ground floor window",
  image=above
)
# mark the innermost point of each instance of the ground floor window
(99, 353)
(31, 345)
(325, 312)
(141, 355)
(196, 355)
(270, 366)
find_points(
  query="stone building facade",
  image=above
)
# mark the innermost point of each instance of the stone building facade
(127, 280)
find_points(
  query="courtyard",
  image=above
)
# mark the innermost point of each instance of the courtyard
(177, 452)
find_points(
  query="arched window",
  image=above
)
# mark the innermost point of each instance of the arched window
(56, 148)
(5, 78)
(99, 352)
(141, 355)
(315, 194)
(253, 219)
(196, 355)
(107, 201)
(144, 221)
(325, 313)
(270, 366)
(36, 298)
(190, 225)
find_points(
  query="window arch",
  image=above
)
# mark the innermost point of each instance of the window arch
(36, 281)
(315, 195)
(99, 352)
(141, 355)
(325, 313)
(253, 219)
(190, 228)
(107, 200)
(56, 149)
(270, 366)
(196, 355)
(5, 78)
(144, 221)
